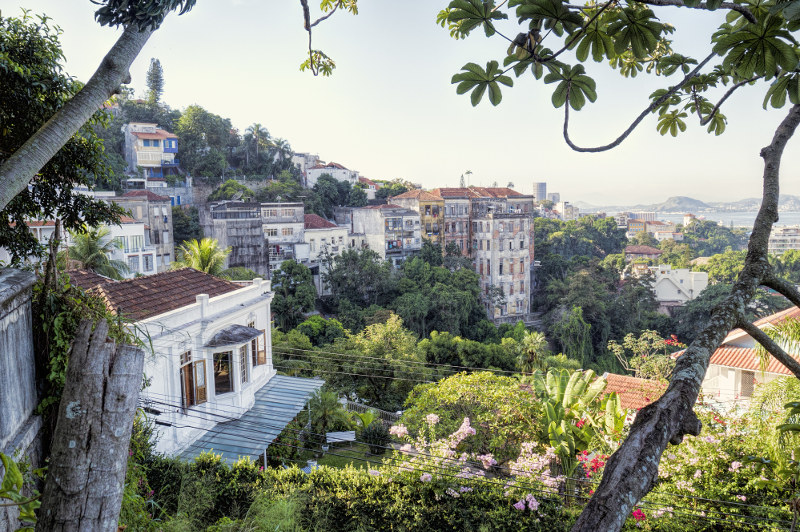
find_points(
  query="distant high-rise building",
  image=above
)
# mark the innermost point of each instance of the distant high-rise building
(555, 197)
(539, 191)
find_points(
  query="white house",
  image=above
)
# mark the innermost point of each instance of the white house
(335, 170)
(674, 287)
(734, 369)
(783, 239)
(323, 236)
(210, 360)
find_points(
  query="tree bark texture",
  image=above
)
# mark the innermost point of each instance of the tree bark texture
(633, 469)
(86, 475)
(23, 165)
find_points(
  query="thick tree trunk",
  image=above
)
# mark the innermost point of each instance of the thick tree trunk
(633, 469)
(85, 479)
(21, 167)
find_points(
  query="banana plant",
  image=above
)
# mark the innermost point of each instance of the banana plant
(11, 490)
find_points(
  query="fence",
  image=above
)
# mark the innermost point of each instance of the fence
(387, 418)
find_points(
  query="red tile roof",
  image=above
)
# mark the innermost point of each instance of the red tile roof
(634, 393)
(159, 134)
(642, 250)
(460, 192)
(145, 297)
(314, 221)
(418, 194)
(329, 165)
(87, 279)
(152, 196)
(747, 359)
(368, 182)
(384, 206)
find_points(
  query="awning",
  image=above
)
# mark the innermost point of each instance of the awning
(232, 335)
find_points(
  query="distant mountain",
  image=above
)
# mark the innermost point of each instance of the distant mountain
(686, 204)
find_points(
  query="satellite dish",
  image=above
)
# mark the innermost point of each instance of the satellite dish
(237, 195)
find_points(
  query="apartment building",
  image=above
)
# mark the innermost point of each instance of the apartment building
(782, 239)
(335, 170)
(151, 149)
(457, 217)
(391, 230)
(539, 192)
(502, 246)
(430, 207)
(155, 212)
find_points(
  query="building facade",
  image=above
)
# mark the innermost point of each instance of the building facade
(430, 208)
(155, 212)
(539, 191)
(782, 239)
(391, 230)
(457, 217)
(335, 170)
(151, 149)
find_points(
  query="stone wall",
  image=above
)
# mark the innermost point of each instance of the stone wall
(19, 428)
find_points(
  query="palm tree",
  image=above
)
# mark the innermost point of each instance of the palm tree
(325, 411)
(92, 249)
(204, 255)
(259, 132)
(283, 150)
(532, 352)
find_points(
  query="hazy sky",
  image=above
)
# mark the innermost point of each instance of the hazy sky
(390, 111)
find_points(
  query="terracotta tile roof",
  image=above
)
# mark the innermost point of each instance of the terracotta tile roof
(746, 358)
(159, 134)
(778, 317)
(460, 192)
(329, 165)
(418, 194)
(145, 297)
(87, 279)
(634, 393)
(152, 196)
(368, 182)
(642, 250)
(503, 192)
(384, 206)
(314, 221)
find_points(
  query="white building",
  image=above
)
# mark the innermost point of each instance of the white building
(555, 197)
(370, 187)
(391, 230)
(211, 360)
(674, 287)
(304, 161)
(566, 211)
(783, 239)
(323, 237)
(283, 225)
(335, 170)
(735, 368)
(668, 235)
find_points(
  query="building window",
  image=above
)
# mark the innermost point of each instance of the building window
(502, 245)
(165, 237)
(193, 380)
(270, 231)
(136, 243)
(133, 263)
(287, 231)
(313, 244)
(148, 263)
(223, 378)
(270, 213)
(522, 244)
(500, 227)
(522, 286)
(288, 212)
(748, 383)
(501, 267)
(243, 363)
(427, 210)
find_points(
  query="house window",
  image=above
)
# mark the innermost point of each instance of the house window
(501, 267)
(270, 231)
(223, 378)
(193, 380)
(148, 263)
(522, 286)
(288, 212)
(133, 263)
(165, 237)
(243, 363)
(502, 245)
(287, 231)
(313, 245)
(522, 244)
(748, 383)
(270, 213)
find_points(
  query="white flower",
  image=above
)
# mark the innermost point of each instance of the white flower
(432, 419)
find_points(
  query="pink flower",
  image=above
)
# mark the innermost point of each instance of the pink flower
(638, 514)
(520, 505)
(735, 466)
(741, 498)
(432, 419)
(426, 477)
(399, 430)
(580, 423)
(464, 489)
(405, 448)
(487, 460)
(533, 504)
(374, 472)
(453, 493)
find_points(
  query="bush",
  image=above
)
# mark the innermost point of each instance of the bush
(376, 436)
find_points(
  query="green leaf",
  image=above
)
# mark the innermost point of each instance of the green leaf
(636, 30)
(463, 16)
(672, 123)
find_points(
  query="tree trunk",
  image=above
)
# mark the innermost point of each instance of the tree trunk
(21, 167)
(633, 469)
(83, 489)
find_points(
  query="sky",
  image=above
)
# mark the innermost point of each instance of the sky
(390, 111)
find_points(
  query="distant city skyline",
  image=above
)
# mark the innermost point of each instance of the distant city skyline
(389, 111)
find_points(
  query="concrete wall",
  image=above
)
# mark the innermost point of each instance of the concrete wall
(19, 428)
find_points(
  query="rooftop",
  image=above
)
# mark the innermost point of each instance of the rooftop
(151, 196)
(418, 194)
(144, 297)
(634, 393)
(642, 250)
(315, 221)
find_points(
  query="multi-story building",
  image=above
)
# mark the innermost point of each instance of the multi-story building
(370, 187)
(131, 244)
(636, 226)
(657, 226)
(150, 148)
(323, 238)
(539, 192)
(566, 211)
(644, 216)
(391, 230)
(237, 225)
(783, 239)
(304, 161)
(674, 287)
(554, 197)
(430, 207)
(502, 246)
(457, 217)
(284, 225)
(156, 213)
(335, 170)
(622, 219)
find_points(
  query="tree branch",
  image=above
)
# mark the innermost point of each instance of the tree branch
(320, 19)
(774, 349)
(784, 287)
(707, 119)
(746, 13)
(638, 119)
(23, 165)
(633, 468)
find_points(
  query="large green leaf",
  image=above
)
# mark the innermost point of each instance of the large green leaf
(672, 123)
(476, 78)
(554, 14)
(572, 81)
(783, 86)
(466, 15)
(756, 49)
(637, 30)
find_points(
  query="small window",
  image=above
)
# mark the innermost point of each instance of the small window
(243, 363)
(133, 263)
(148, 263)
(270, 231)
(223, 378)
(287, 231)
